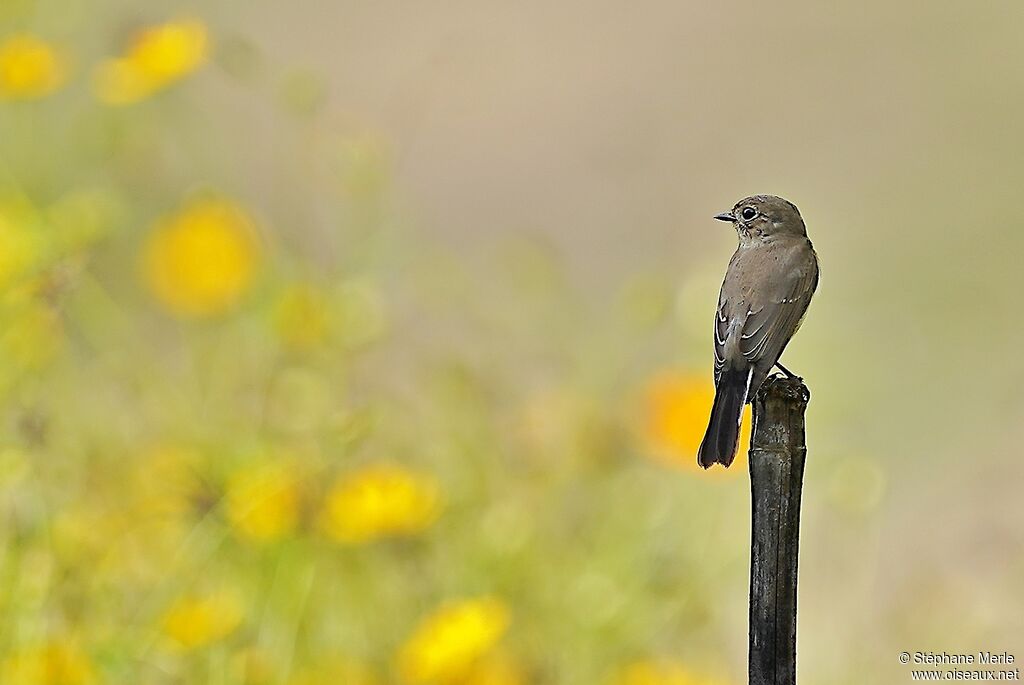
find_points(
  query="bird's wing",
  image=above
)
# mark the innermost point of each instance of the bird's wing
(770, 325)
(721, 334)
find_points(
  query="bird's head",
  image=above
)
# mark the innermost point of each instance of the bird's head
(762, 216)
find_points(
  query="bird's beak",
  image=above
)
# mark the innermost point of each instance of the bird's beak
(726, 216)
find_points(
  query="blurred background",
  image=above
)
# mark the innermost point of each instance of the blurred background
(369, 343)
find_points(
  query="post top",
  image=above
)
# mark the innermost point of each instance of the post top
(786, 388)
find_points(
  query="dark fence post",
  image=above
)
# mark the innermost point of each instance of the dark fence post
(777, 453)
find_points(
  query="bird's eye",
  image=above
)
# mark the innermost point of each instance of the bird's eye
(748, 213)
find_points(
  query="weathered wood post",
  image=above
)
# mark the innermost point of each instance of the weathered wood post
(777, 453)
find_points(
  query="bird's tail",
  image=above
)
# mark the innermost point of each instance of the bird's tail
(723, 434)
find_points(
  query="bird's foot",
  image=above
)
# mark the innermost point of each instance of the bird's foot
(789, 374)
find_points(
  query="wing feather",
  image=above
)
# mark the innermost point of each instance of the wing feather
(766, 331)
(721, 335)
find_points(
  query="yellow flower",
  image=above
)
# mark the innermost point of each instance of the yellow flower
(52, 663)
(201, 261)
(194, 622)
(378, 501)
(30, 68)
(659, 673)
(263, 503)
(301, 318)
(450, 643)
(676, 407)
(158, 57)
(495, 669)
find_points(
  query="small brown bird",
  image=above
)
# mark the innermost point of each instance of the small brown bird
(770, 281)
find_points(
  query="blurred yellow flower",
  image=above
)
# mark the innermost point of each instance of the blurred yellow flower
(676, 407)
(262, 503)
(30, 68)
(659, 673)
(194, 622)
(301, 318)
(449, 644)
(158, 57)
(495, 669)
(202, 260)
(52, 663)
(378, 501)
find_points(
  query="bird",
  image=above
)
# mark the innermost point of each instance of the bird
(769, 284)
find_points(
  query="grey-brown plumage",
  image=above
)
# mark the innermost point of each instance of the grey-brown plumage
(764, 297)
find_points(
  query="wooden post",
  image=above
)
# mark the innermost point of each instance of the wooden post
(777, 453)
